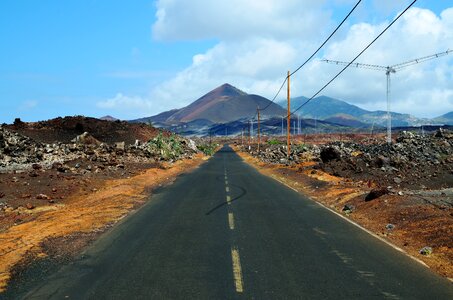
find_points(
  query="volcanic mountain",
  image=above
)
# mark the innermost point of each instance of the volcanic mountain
(221, 105)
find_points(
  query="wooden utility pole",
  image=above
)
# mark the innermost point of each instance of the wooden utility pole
(249, 134)
(288, 121)
(259, 138)
(242, 136)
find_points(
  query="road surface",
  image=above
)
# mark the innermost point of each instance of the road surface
(224, 231)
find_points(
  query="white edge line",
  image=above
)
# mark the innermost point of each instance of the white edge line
(359, 226)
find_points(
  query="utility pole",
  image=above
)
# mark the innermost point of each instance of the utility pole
(259, 138)
(298, 125)
(282, 126)
(242, 136)
(249, 134)
(288, 118)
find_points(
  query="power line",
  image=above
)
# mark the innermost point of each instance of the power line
(352, 61)
(320, 47)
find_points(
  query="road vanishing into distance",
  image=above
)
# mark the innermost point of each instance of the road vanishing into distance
(225, 231)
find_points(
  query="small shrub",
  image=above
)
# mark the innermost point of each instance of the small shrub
(274, 142)
(207, 149)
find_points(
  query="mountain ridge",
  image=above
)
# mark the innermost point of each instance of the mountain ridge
(223, 104)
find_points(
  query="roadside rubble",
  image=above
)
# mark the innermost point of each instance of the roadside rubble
(18, 152)
(413, 161)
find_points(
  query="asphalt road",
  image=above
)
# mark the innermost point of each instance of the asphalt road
(224, 231)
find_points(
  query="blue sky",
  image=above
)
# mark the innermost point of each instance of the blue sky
(116, 57)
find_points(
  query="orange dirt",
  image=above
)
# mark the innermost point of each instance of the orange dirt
(417, 224)
(83, 213)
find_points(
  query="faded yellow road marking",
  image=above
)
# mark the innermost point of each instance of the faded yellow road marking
(228, 200)
(227, 189)
(226, 182)
(231, 220)
(237, 271)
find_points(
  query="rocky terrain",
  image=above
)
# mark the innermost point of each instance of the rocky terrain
(413, 161)
(64, 130)
(34, 174)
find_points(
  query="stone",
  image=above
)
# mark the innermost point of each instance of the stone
(397, 180)
(348, 208)
(36, 166)
(329, 153)
(59, 167)
(376, 193)
(439, 133)
(29, 206)
(120, 146)
(2, 195)
(33, 174)
(43, 197)
(86, 139)
(426, 251)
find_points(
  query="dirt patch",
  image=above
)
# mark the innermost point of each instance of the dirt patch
(405, 220)
(61, 229)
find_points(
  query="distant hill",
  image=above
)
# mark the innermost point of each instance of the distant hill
(66, 129)
(160, 118)
(446, 119)
(327, 108)
(221, 105)
(108, 118)
(346, 120)
(323, 107)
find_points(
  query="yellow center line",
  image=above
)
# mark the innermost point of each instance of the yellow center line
(237, 272)
(226, 182)
(227, 189)
(231, 220)
(228, 198)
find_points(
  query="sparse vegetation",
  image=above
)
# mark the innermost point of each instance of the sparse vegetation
(274, 142)
(300, 147)
(207, 149)
(167, 147)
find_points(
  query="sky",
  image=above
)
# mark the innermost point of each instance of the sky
(133, 59)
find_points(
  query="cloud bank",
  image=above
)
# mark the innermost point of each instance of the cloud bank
(258, 41)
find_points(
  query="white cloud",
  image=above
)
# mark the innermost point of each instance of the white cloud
(419, 33)
(28, 105)
(126, 107)
(255, 56)
(237, 19)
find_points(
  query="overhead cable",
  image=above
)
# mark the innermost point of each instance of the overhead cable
(352, 61)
